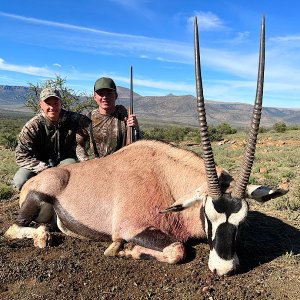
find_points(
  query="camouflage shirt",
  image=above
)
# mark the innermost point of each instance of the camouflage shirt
(42, 142)
(105, 133)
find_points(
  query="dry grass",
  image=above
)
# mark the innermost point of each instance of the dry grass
(277, 163)
(269, 246)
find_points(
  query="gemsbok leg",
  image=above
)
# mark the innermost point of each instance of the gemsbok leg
(151, 243)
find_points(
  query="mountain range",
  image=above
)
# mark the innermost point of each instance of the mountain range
(170, 109)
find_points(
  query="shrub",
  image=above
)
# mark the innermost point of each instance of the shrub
(6, 191)
(177, 134)
(167, 134)
(225, 128)
(214, 134)
(9, 130)
(263, 129)
(9, 141)
(294, 127)
(280, 127)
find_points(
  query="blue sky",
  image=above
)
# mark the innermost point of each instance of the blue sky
(84, 40)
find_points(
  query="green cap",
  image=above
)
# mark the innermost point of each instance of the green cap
(104, 83)
(49, 92)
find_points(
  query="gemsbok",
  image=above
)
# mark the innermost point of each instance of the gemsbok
(149, 198)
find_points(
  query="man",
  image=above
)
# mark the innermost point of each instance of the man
(48, 139)
(106, 131)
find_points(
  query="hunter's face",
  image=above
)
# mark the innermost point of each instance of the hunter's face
(106, 100)
(51, 108)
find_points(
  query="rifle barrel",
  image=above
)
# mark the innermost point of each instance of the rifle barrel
(131, 105)
(131, 90)
(130, 136)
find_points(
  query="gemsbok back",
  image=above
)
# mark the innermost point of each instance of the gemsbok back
(149, 198)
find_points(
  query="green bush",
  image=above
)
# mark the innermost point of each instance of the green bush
(263, 129)
(214, 134)
(6, 191)
(280, 127)
(294, 127)
(9, 141)
(10, 127)
(177, 134)
(225, 128)
(167, 134)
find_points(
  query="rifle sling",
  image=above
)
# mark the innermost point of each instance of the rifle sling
(92, 135)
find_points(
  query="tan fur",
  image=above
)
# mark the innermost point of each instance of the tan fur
(130, 187)
(123, 193)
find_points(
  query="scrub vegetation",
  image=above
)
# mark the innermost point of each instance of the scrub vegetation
(268, 245)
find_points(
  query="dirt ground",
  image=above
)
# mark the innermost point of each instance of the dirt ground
(268, 247)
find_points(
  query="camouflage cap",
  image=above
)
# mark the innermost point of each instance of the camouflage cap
(49, 92)
(104, 83)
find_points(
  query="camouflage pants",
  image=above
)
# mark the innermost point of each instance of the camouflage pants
(23, 174)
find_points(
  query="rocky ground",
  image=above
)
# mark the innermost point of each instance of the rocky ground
(269, 251)
(268, 247)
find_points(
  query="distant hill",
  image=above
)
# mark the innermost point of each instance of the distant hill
(183, 110)
(12, 94)
(173, 109)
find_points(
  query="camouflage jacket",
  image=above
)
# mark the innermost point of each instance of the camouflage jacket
(104, 133)
(43, 143)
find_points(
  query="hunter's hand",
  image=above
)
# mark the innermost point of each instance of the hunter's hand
(132, 121)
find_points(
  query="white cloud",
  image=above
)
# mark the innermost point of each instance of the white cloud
(103, 42)
(231, 63)
(287, 38)
(240, 37)
(207, 21)
(282, 58)
(38, 71)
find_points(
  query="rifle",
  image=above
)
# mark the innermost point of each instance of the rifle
(130, 133)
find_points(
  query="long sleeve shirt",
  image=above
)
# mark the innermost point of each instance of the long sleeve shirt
(43, 143)
(104, 133)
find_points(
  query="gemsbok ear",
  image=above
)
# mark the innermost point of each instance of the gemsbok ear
(175, 208)
(186, 202)
(263, 194)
